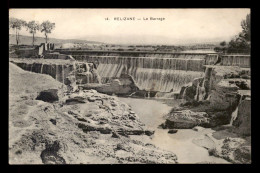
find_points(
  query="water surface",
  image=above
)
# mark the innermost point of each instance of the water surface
(151, 113)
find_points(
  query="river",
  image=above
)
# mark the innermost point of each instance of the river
(151, 113)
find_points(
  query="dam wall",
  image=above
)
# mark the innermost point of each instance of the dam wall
(147, 62)
(57, 71)
(242, 61)
(152, 71)
(60, 69)
(133, 54)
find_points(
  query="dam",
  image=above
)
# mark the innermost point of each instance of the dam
(151, 71)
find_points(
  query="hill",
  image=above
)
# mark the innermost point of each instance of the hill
(27, 40)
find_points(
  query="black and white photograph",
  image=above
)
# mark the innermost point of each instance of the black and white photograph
(129, 86)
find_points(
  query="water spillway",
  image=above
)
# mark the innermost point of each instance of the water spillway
(162, 72)
(149, 73)
(187, 64)
(60, 69)
(57, 71)
(242, 61)
(132, 53)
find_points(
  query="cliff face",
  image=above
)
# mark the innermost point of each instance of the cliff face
(217, 93)
(243, 120)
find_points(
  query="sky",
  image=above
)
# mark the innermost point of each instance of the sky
(177, 26)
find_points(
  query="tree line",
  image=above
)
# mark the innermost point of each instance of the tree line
(33, 26)
(241, 43)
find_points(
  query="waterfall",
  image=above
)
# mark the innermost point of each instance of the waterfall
(88, 73)
(131, 94)
(57, 70)
(202, 91)
(42, 67)
(234, 114)
(184, 93)
(62, 66)
(196, 97)
(163, 80)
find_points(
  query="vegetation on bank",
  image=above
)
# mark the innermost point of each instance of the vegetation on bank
(241, 43)
(32, 26)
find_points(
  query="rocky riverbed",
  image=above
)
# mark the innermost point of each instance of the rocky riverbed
(221, 100)
(50, 125)
(83, 127)
(182, 143)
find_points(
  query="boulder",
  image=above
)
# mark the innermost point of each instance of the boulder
(243, 120)
(235, 150)
(49, 95)
(115, 135)
(198, 128)
(224, 96)
(75, 100)
(92, 99)
(124, 85)
(185, 119)
(87, 127)
(172, 131)
(135, 132)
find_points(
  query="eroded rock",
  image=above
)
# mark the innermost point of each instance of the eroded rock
(185, 119)
(50, 95)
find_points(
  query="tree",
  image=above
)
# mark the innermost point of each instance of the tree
(33, 27)
(246, 26)
(242, 42)
(47, 27)
(223, 43)
(16, 24)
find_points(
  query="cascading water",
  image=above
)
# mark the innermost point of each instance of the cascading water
(148, 94)
(56, 74)
(202, 90)
(154, 74)
(42, 67)
(88, 73)
(184, 93)
(62, 66)
(234, 114)
(196, 97)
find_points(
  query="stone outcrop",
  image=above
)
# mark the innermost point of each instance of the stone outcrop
(235, 150)
(189, 92)
(212, 78)
(172, 131)
(220, 87)
(185, 119)
(243, 120)
(224, 96)
(95, 132)
(50, 95)
(124, 85)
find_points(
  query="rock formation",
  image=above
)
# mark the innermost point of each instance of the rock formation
(84, 127)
